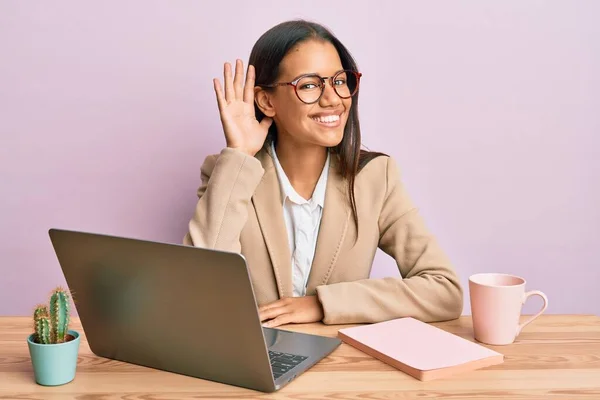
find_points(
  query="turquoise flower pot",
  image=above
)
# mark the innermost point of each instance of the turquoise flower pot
(54, 364)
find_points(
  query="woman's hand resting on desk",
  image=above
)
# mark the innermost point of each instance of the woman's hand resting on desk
(236, 108)
(291, 310)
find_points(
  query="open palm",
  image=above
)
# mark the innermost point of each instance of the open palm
(236, 108)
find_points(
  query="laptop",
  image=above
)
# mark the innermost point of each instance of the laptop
(182, 309)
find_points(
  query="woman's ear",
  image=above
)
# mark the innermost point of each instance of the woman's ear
(263, 100)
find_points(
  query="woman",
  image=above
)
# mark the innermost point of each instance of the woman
(293, 192)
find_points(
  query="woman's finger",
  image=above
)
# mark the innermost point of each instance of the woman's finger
(272, 313)
(229, 92)
(237, 80)
(280, 320)
(249, 87)
(219, 92)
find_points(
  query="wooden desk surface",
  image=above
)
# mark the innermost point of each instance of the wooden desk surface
(557, 356)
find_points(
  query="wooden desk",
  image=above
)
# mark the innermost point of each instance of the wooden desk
(554, 357)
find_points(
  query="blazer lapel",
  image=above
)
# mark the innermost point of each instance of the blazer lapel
(332, 231)
(269, 210)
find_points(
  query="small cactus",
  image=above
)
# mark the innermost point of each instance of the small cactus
(59, 315)
(41, 320)
(51, 324)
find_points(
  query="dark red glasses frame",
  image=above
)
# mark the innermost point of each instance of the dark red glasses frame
(294, 84)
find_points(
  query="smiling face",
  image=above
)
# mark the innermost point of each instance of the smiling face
(318, 124)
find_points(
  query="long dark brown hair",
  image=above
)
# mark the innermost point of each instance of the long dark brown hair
(266, 56)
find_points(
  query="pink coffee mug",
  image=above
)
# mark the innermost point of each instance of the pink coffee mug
(496, 304)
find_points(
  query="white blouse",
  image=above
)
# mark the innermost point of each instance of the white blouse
(302, 220)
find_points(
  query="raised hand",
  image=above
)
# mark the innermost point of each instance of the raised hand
(236, 108)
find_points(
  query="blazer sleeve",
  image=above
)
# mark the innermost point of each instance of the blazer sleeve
(229, 180)
(429, 288)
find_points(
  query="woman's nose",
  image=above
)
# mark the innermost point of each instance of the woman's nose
(329, 96)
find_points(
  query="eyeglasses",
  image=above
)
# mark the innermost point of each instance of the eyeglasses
(309, 87)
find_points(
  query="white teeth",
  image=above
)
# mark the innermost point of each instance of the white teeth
(327, 119)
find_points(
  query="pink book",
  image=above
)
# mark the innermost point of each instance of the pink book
(419, 349)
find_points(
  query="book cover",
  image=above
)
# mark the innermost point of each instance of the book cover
(419, 349)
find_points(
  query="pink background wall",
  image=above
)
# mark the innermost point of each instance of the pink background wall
(491, 109)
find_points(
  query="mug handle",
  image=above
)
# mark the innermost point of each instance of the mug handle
(525, 297)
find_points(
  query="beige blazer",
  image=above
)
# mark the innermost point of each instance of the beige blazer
(240, 209)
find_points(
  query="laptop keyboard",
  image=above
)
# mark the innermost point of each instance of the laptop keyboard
(283, 362)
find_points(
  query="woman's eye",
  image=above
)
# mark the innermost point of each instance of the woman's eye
(308, 86)
(340, 82)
